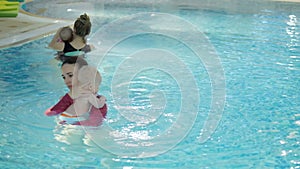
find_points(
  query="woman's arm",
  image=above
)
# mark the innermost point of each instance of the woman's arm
(88, 48)
(56, 43)
(60, 107)
(96, 117)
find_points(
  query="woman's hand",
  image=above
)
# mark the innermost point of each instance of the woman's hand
(48, 112)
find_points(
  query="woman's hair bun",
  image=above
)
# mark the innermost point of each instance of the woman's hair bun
(84, 18)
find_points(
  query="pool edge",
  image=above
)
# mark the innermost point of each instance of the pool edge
(32, 27)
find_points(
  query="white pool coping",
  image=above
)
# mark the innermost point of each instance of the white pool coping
(47, 27)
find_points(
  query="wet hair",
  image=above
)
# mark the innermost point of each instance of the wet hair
(89, 76)
(75, 59)
(82, 25)
(66, 34)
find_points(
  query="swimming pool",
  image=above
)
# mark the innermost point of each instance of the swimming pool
(147, 76)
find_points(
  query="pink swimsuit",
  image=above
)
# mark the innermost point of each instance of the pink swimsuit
(96, 116)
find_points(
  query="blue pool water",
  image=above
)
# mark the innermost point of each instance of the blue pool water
(144, 79)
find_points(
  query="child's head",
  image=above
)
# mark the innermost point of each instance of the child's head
(89, 78)
(82, 25)
(66, 34)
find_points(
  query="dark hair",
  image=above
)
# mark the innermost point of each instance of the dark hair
(82, 25)
(75, 59)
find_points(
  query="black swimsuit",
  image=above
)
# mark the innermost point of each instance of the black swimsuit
(69, 48)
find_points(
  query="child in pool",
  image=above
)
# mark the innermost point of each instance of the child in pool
(66, 41)
(70, 69)
(66, 36)
(85, 95)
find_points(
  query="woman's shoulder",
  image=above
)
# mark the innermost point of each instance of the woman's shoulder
(78, 42)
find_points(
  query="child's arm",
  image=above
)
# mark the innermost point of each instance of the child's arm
(97, 102)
